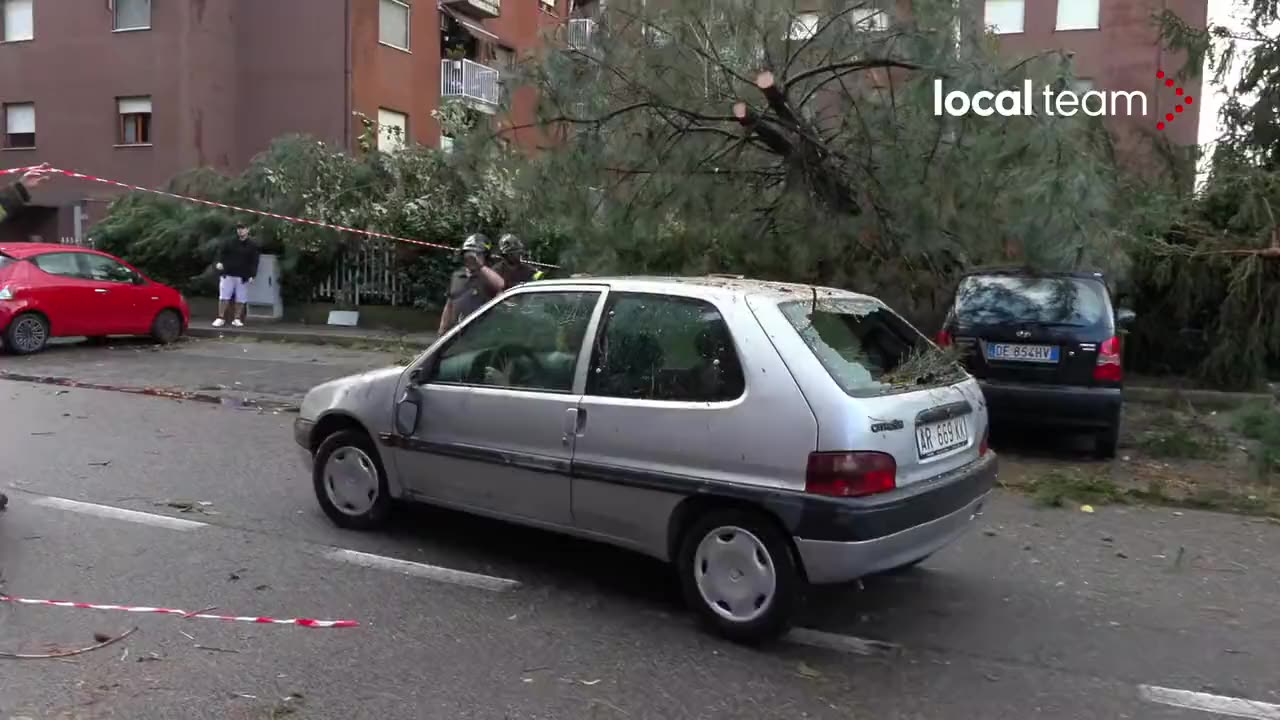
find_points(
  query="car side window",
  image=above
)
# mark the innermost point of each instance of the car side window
(60, 264)
(663, 347)
(530, 341)
(104, 269)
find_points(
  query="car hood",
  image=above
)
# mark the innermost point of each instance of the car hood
(368, 396)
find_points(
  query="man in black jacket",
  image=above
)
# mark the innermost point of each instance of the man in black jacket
(237, 265)
(16, 196)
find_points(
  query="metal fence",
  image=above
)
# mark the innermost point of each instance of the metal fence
(470, 80)
(367, 274)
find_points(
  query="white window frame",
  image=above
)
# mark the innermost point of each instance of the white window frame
(408, 24)
(879, 19)
(9, 8)
(1081, 15)
(1080, 86)
(134, 105)
(999, 29)
(386, 142)
(804, 26)
(8, 109)
(115, 17)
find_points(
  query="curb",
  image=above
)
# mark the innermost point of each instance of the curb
(1216, 399)
(308, 338)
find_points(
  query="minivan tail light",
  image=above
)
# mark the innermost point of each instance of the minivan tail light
(850, 474)
(985, 445)
(1109, 367)
(943, 338)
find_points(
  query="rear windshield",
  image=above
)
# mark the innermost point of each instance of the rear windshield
(869, 350)
(1005, 299)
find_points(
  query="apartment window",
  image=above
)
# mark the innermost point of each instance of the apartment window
(1005, 16)
(132, 14)
(19, 22)
(446, 143)
(393, 23)
(804, 26)
(20, 125)
(1078, 14)
(393, 130)
(869, 19)
(549, 5)
(1081, 86)
(135, 121)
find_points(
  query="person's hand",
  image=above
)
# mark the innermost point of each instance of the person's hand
(250, 282)
(218, 266)
(35, 176)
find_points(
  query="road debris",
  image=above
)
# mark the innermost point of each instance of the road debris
(101, 643)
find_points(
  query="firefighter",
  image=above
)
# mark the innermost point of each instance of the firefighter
(511, 265)
(472, 285)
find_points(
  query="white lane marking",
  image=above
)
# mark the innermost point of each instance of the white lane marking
(840, 643)
(430, 572)
(116, 513)
(1204, 702)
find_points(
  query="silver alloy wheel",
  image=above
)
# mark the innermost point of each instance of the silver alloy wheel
(735, 574)
(351, 480)
(29, 334)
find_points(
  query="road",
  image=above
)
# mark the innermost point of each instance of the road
(1040, 613)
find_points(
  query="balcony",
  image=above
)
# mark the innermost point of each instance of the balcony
(471, 81)
(582, 32)
(476, 8)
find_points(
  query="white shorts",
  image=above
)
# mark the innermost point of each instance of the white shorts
(233, 289)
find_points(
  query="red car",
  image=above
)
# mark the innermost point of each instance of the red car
(49, 290)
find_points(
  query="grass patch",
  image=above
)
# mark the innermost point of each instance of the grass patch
(1056, 487)
(1180, 435)
(1260, 422)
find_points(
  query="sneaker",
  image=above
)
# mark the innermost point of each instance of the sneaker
(237, 323)
(219, 322)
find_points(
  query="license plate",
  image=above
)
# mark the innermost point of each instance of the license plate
(941, 437)
(1022, 353)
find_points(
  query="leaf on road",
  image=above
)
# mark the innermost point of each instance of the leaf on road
(1086, 508)
(806, 671)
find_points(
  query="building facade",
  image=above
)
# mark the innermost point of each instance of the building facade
(142, 90)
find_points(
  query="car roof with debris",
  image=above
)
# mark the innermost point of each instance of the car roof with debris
(714, 285)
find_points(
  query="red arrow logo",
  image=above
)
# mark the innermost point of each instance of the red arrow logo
(1186, 100)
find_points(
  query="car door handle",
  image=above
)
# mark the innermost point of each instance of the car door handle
(100, 290)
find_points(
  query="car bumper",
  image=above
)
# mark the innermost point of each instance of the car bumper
(302, 436)
(1053, 404)
(903, 529)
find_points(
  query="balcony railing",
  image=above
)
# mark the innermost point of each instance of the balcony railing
(581, 32)
(469, 80)
(477, 8)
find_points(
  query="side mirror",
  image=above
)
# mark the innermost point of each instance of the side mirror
(409, 411)
(1125, 317)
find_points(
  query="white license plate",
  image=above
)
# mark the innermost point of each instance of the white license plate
(941, 437)
(1022, 353)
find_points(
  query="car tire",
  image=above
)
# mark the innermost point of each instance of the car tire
(167, 327)
(1106, 442)
(351, 482)
(27, 333)
(721, 549)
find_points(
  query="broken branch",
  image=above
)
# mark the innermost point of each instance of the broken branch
(68, 653)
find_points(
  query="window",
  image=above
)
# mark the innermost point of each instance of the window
(61, 264)
(18, 19)
(393, 130)
(1059, 301)
(529, 341)
(657, 347)
(393, 23)
(446, 143)
(1005, 16)
(1078, 14)
(133, 14)
(804, 26)
(135, 120)
(1080, 86)
(20, 125)
(504, 58)
(869, 19)
(104, 269)
(866, 348)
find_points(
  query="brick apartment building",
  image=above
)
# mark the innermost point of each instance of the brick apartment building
(141, 90)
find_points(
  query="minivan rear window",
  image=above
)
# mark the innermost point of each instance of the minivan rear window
(1014, 299)
(867, 348)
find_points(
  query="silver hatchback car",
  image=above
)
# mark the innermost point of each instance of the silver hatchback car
(760, 436)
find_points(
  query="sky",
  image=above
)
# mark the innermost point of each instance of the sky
(1229, 13)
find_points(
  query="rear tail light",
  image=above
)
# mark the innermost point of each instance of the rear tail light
(850, 474)
(985, 445)
(943, 338)
(1109, 367)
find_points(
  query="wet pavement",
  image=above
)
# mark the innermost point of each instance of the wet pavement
(153, 501)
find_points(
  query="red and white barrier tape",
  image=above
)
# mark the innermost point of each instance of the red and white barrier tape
(210, 203)
(300, 622)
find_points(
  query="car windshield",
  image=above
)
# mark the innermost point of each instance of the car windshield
(1011, 299)
(867, 348)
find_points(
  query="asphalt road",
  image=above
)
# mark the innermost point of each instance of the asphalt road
(1053, 613)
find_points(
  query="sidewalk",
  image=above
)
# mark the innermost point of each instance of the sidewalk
(259, 329)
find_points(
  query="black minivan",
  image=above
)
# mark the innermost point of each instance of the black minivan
(1045, 348)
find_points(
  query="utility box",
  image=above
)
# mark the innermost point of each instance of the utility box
(265, 300)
